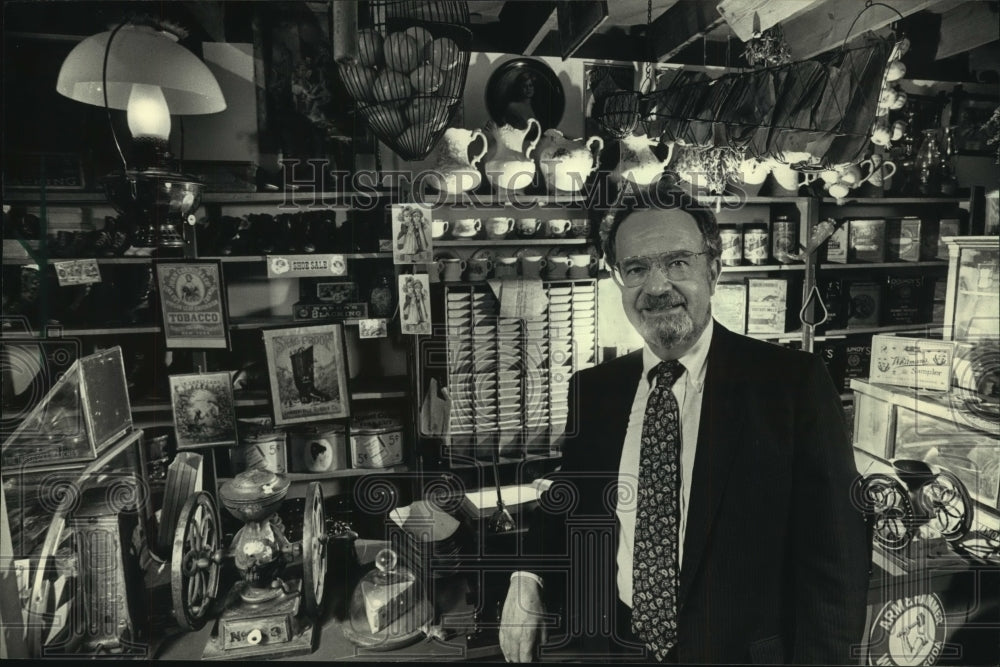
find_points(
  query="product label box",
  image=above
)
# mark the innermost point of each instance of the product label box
(729, 306)
(911, 362)
(904, 299)
(308, 310)
(834, 355)
(836, 245)
(946, 227)
(866, 240)
(864, 302)
(857, 358)
(833, 292)
(903, 240)
(767, 300)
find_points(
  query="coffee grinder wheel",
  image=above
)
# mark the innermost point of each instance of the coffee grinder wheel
(887, 504)
(314, 549)
(196, 560)
(948, 504)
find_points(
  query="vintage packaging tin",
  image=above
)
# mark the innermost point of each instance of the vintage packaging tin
(376, 440)
(756, 244)
(903, 239)
(729, 306)
(732, 245)
(320, 447)
(766, 305)
(866, 240)
(784, 239)
(904, 299)
(836, 245)
(264, 450)
(946, 227)
(864, 304)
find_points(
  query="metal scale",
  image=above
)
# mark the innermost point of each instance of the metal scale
(269, 612)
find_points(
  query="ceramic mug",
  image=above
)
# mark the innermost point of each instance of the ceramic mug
(579, 227)
(527, 227)
(467, 227)
(439, 228)
(506, 267)
(581, 265)
(879, 170)
(556, 267)
(498, 228)
(789, 180)
(450, 269)
(531, 266)
(479, 268)
(558, 227)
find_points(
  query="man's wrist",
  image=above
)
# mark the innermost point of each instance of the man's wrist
(530, 575)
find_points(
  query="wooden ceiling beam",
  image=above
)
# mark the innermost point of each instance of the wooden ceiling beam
(683, 23)
(966, 27)
(826, 26)
(525, 25)
(745, 17)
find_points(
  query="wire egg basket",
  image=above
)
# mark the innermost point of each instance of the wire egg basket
(409, 79)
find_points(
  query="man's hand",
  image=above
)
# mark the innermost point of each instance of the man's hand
(522, 629)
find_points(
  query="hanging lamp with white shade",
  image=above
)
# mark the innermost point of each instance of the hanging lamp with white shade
(140, 67)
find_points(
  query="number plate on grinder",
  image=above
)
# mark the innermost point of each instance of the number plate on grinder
(255, 631)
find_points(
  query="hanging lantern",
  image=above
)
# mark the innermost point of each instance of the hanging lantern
(409, 77)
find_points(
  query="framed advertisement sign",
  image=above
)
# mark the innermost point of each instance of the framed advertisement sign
(193, 302)
(308, 373)
(204, 409)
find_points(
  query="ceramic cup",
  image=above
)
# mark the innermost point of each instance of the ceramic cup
(531, 266)
(527, 227)
(557, 228)
(879, 170)
(506, 267)
(788, 180)
(556, 267)
(450, 269)
(479, 268)
(439, 228)
(579, 227)
(467, 227)
(580, 266)
(498, 228)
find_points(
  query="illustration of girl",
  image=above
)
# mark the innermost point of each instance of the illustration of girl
(412, 238)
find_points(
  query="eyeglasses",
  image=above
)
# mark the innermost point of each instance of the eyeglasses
(635, 271)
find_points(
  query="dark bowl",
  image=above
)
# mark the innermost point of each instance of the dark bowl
(913, 473)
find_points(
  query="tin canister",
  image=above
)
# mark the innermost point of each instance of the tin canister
(265, 450)
(376, 440)
(756, 244)
(732, 245)
(320, 447)
(784, 239)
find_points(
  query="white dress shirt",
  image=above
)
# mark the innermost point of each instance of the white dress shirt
(688, 390)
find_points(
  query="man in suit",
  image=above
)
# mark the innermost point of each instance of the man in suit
(702, 512)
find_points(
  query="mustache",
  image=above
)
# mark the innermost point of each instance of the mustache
(661, 302)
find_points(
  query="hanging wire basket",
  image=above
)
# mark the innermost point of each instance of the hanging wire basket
(619, 113)
(409, 79)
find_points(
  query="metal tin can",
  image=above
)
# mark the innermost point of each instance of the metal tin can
(318, 448)
(732, 245)
(262, 450)
(376, 440)
(756, 245)
(784, 241)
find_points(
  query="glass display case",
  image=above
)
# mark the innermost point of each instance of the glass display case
(972, 311)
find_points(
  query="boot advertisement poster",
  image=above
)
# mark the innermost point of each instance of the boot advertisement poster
(193, 304)
(203, 409)
(308, 373)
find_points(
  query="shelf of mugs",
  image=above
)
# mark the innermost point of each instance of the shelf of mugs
(933, 263)
(455, 243)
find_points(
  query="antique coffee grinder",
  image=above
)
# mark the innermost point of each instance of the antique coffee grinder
(270, 611)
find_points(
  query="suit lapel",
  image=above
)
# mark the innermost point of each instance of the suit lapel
(618, 400)
(718, 438)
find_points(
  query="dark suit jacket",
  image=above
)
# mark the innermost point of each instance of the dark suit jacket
(776, 557)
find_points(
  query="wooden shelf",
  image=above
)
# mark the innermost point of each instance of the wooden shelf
(786, 337)
(260, 259)
(67, 332)
(266, 322)
(508, 460)
(225, 259)
(895, 200)
(890, 328)
(302, 477)
(759, 268)
(501, 200)
(935, 263)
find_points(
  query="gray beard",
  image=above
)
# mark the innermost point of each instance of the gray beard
(669, 331)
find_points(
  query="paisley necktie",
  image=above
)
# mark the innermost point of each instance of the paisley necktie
(655, 567)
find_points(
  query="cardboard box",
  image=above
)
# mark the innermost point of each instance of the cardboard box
(836, 245)
(903, 239)
(864, 302)
(911, 362)
(767, 301)
(866, 240)
(905, 298)
(834, 295)
(857, 360)
(834, 355)
(729, 306)
(319, 310)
